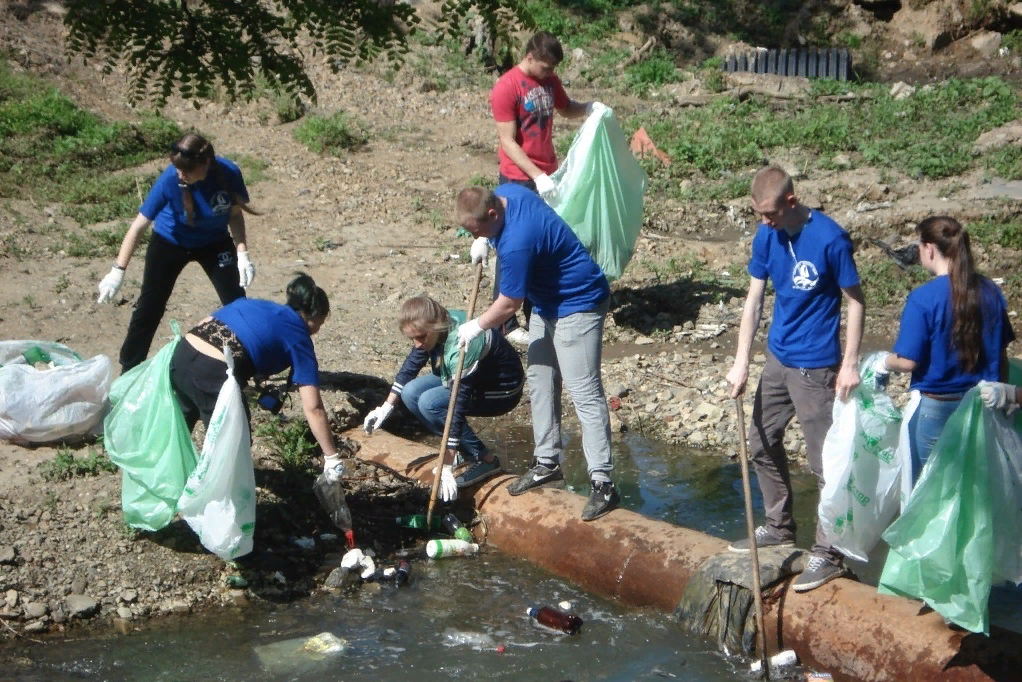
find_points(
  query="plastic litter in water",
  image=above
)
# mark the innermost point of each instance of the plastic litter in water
(565, 606)
(295, 656)
(402, 573)
(439, 549)
(456, 528)
(476, 640)
(328, 537)
(556, 620)
(780, 660)
(304, 543)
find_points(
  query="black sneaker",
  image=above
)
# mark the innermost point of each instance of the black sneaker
(478, 472)
(535, 477)
(818, 572)
(602, 499)
(764, 538)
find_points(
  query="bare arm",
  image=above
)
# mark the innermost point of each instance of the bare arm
(131, 240)
(574, 109)
(506, 131)
(896, 363)
(236, 224)
(848, 375)
(500, 311)
(315, 413)
(751, 314)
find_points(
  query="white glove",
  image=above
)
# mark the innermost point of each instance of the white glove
(480, 251)
(877, 372)
(333, 468)
(467, 332)
(997, 396)
(595, 108)
(246, 271)
(544, 184)
(375, 419)
(448, 486)
(110, 285)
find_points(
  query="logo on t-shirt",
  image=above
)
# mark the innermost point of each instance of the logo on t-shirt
(804, 276)
(220, 204)
(539, 107)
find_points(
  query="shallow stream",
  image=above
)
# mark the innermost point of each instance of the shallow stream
(460, 617)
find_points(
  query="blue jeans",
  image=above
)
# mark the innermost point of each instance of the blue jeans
(924, 428)
(427, 399)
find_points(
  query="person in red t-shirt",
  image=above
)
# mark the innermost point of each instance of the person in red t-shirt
(523, 103)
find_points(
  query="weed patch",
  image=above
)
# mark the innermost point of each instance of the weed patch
(334, 134)
(253, 168)
(1005, 163)
(655, 71)
(97, 243)
(291, 445)
(994, 231)
(66, 466)
(884, 283)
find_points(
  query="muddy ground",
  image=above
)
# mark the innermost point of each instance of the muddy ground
(372, 228)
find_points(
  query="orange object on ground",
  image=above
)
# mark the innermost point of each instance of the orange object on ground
(642, 145)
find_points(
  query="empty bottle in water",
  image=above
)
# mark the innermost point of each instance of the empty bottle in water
(438, 549)
(556, 620)
(418, 521)
(331, 496)
(404, 570)
(455, 527)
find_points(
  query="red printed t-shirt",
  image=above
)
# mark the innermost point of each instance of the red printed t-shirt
(530, 104)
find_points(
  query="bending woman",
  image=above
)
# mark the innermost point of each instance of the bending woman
(491, 385)
(195, 207)
(954, 332)
(265, 338)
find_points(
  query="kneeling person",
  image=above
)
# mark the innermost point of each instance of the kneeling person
(491, 385)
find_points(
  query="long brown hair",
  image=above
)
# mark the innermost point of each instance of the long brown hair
(424, 314)
(952, 241)
(187, 154)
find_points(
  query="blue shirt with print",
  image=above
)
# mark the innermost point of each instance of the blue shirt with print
(808, 271)
(925, 337)
(275, 336)
(542, 260)
(212, 198)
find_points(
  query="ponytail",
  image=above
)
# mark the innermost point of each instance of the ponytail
(187, 154)
(952, 241)
(307, 299)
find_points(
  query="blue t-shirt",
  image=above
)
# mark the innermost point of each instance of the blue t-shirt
(212, 198)
(275, 336)
(925, 337)
(542, 260)
(808, 271)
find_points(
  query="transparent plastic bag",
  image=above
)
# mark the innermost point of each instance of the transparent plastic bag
(860, 469)
(599, 192)
(219, 500)
(64, 401)
(145, 434)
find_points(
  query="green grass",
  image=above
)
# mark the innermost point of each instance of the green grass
(53, 151)
(1006, 233)
(98, 243)
(66, 466)
(884, 283)
(1005, 162)
(655, 71)
(291, 445)
(481, 180)
(334, 134)
(253, 168)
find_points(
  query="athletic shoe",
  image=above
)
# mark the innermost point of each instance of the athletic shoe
(602, 499)
(478, 472)
(818, 572)
(764, 538)
(518, 336)
(535, 477)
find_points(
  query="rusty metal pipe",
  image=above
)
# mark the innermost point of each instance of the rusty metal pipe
(843, 627)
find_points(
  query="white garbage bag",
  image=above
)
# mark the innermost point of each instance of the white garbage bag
(861, 472)
(49, 393)
(219, 501)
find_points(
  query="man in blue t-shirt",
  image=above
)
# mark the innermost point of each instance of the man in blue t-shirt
(545, 263)
(808, 258)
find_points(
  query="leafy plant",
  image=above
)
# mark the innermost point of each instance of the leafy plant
(65, 466)
(655, 71)
(291, 445)
(332, 134)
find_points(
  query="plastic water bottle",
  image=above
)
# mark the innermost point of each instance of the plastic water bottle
(331, 496)
(777, 662)
(456, 528)
(404, 571)
(556, 620)
(439, 549)
(418, 522)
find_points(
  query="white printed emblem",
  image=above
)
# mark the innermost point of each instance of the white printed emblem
(221, 203)
(804, 276)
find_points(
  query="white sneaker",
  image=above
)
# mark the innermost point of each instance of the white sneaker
(519, 336)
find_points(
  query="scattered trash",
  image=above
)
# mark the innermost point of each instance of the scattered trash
(295, 656)
(403, 573)
(556, 620)
(304, 543)
(565, 606)
(456, 528)
(331, 496)
(477, 640)
(867, 206)
(236, 582)
(328, 537)
(438, 549)
(819, 677)
(501, 649)
(351, 559)
(279, 577)
(418, 522)
(777, 662)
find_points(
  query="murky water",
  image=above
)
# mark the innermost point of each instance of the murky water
(455, 615)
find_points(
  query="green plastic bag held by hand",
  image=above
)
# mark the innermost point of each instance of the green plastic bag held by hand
(146, 436)
(958, 534)
(599, 192)
(219, 498)
(861, 472)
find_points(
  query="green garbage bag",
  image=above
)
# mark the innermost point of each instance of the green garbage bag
(599, 192)
(958, 534)
(146, 436)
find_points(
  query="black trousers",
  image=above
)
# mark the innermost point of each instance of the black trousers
(527, 305)
(163, 263)
(197, 380)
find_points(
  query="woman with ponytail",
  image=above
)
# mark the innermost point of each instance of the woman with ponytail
(954, 332)
(195, 208)
(265, 338)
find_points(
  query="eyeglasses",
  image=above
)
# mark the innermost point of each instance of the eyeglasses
(187, 153)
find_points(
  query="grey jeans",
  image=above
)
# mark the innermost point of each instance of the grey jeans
(785, 392)
(569, 350)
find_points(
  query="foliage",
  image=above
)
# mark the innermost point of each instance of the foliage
(291, 445)
(333, 134)
(656, 70)
(192, 48)
(66, 466)
(1006, 162)
(883, 282)
(98, 243)
(992, 230)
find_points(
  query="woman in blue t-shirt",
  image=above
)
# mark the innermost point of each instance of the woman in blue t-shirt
(264, 338)
(954, 332)
(195, 208)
